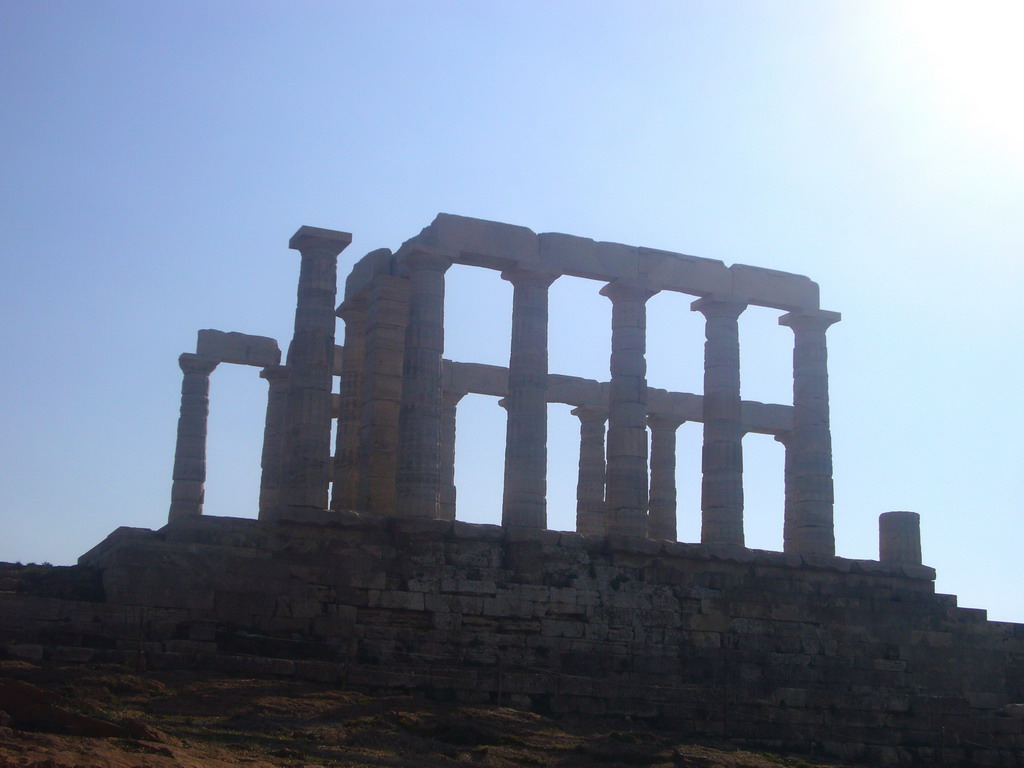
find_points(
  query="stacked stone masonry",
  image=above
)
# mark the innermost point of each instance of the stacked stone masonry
(396, 408)
(357, 571)
(859, 660)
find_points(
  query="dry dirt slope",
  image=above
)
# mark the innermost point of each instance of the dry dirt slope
(103, 717)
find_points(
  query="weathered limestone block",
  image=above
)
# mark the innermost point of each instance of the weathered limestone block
(679, 272)
(479, 242)
(238, 348)
(899, 537)
(583, 257)
(771, 288)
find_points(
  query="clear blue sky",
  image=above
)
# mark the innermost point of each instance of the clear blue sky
(156, 157)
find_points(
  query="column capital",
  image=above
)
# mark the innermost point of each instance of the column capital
(719, 305)
(590, 413)
(623, 290)
(529, 278)
(810, 319)
(275, 373)
(664, 421)
(424, 257)
(192, 363)
(784, 438)
(319, 242)
(451, 397)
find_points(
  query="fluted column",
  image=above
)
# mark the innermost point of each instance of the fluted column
(590, 517)
(419, 476)
(626, 490)
(661, 517)
(387, 310)
(810, 492)
(789, 522)
(449, 406)
(526, 443)
(899, 537)
(306, 445)
(189, 474)
(345, 488)
(722, 454)
(273, 428)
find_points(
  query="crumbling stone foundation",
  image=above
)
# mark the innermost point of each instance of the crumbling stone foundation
(859, 660)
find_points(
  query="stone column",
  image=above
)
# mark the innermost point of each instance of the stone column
(449, 404)
(387, 310)
(189, 474)
(626, 489)
(590, 485)
(899, 538)
(273, 427)
(789, 524)
(419, 471)
(306, 444)
(526, 443)
(661, 519)
(722, 454)
(810, 445)
(345, 489)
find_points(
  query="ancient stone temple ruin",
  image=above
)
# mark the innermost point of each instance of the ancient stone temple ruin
(357, 570)
(394, 454)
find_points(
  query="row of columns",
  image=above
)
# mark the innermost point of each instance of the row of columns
(395, 438)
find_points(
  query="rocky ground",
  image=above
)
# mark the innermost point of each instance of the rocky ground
(104, 717)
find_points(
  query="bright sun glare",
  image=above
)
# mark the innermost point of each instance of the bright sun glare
(972, 57)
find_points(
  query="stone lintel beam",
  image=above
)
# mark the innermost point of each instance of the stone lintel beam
(496, 245)
(237, 348)
(492, 380)
(415, 256)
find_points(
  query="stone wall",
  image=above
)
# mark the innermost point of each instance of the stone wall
(856, 659)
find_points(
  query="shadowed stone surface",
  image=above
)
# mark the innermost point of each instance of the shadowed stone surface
(388, 590)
